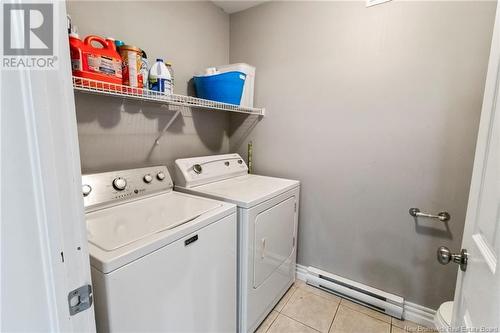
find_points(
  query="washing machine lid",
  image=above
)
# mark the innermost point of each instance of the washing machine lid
(245, 191)
(115, 227)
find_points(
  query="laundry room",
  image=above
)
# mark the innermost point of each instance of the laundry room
(250, 166)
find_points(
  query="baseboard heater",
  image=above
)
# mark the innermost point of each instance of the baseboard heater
(375, 299)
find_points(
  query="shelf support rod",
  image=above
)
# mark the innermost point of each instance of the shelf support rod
(171, 121)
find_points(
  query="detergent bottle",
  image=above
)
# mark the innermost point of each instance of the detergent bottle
(100, 60)
(75, 50)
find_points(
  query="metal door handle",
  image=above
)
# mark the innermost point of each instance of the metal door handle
(441, 216)
(444, 256)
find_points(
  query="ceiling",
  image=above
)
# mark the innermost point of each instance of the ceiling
(233, 6)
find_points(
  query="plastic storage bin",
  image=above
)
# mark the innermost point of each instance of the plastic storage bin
(248, 87)
(221, 87)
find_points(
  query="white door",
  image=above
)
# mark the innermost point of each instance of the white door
(43, 246)
(477, 295)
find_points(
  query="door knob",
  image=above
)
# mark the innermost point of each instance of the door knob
(444, 256)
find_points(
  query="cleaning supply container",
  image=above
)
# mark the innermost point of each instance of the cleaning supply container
(76, 47)
(75, 50)
(101, 63)
(159, 77)
(171, 71)
(220, 87)
(131, 66)
(248, 87)
(145, 70)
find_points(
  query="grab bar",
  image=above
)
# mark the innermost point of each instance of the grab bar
(441, 216)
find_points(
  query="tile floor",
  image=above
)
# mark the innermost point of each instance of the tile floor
(306, 309)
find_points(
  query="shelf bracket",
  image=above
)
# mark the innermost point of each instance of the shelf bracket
(171, 121)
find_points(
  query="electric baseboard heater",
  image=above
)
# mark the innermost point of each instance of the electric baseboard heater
(375, 299)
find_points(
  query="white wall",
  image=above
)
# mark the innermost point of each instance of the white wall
(116, 134)
(375, 110)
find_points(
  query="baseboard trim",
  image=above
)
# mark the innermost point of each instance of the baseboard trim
(419, 314)
(301, 272)
(413, 312)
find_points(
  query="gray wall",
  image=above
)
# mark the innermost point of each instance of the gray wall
(375, 110)
(116, 134)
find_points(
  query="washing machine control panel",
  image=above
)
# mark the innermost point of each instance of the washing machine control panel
(197, 171)
(105, 188)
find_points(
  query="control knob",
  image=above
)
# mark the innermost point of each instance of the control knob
(147, 178)
(119, 183)
(86, 189)
(197, 168)
(160, 175)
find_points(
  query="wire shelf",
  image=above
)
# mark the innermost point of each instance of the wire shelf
(118, 90)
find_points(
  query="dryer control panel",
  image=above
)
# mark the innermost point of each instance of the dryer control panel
(102, 189)
(196, 171)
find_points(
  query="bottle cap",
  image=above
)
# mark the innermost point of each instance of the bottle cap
(168, 63)
(158, 59)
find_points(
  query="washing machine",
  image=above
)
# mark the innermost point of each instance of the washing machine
(161, 261)
(267, 227)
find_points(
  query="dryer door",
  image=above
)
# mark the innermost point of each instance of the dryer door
(274, 239)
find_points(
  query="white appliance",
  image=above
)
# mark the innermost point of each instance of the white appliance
(267, 227)
(161, 260)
